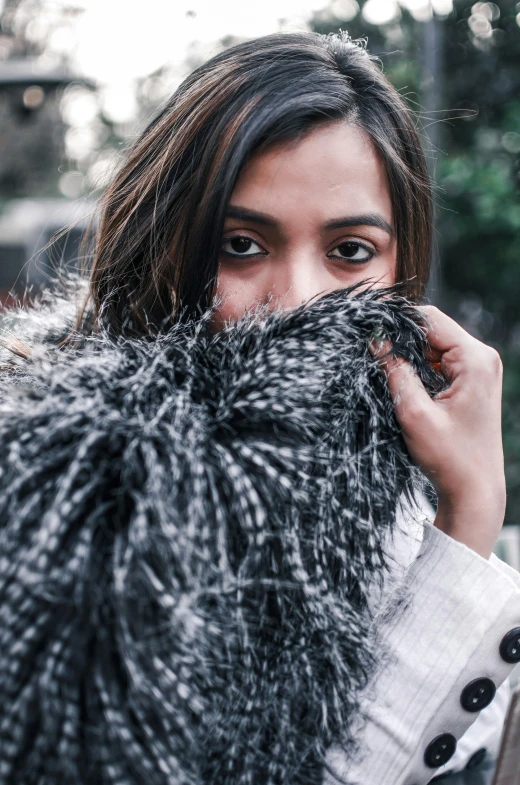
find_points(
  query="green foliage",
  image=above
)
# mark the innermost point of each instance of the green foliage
(511, 425)
(480, 237)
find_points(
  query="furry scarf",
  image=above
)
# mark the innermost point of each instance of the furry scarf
(190, 530)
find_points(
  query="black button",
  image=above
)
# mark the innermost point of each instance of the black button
(476, 759)
(510, 646)
(478, 694)
(440, 750)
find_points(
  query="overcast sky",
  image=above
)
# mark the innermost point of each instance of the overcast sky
(120, 38)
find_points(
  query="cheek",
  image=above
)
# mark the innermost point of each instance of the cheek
(236, 294)
(251, 285)
(390, 271)
(387, 266)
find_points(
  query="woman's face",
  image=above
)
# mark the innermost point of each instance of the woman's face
(306, 219)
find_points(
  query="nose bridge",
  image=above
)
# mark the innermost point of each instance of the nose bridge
(298, 278)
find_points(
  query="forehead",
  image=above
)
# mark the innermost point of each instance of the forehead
(334, 168)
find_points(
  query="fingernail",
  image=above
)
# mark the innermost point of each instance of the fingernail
(375, 347)
(378, 342)
(376, 333)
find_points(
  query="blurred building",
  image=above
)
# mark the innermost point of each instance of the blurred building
(31, 158)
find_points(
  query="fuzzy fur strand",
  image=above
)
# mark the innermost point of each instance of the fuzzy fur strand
(190, 529)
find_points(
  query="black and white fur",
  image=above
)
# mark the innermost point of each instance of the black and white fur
(190, 530)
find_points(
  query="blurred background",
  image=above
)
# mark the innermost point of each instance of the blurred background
(80, 78)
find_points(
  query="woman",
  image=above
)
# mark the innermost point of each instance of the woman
(282, 170)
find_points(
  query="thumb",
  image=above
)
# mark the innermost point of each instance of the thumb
(406, 388)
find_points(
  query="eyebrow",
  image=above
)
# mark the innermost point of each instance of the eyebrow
(367, 219)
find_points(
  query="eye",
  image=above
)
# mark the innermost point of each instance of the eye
(240, 245)
(353, 251)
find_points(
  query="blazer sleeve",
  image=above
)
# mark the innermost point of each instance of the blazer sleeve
(447, 655)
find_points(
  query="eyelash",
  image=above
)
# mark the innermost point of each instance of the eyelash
(341, 258)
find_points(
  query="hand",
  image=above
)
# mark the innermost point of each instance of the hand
(456, 436)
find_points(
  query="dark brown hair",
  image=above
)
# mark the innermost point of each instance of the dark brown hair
(157, 244)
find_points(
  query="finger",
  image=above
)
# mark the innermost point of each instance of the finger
(443, 332)
(406, 388)
(433, 356)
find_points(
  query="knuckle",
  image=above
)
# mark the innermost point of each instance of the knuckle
(495, 361)
(488, 361)
(429, 311)
(416, 410)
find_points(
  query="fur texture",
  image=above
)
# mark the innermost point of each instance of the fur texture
(190, 529)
